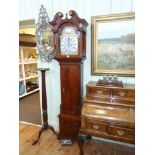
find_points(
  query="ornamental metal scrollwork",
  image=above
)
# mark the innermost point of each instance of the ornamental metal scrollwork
(44, 37)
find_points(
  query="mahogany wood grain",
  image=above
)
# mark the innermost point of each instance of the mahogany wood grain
(109, 112)
(45, 125)
(71, 74)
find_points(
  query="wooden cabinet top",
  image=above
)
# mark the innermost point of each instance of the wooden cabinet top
(122, 95)
(125, 86)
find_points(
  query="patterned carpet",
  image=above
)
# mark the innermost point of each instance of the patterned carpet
(96, 147)
(29, 109)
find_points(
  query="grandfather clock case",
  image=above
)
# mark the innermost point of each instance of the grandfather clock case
(70, 47)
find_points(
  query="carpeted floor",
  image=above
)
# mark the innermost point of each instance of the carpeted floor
(97, 147)
(29, 109)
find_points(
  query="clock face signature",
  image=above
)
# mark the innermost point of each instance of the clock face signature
(69, 41)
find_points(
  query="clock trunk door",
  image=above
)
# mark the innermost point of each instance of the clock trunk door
(70, 88)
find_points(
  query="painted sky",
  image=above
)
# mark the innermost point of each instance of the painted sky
(115, 29)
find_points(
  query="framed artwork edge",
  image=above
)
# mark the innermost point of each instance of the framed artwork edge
(108, 18)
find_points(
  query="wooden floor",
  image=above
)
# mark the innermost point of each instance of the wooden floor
(49, 145)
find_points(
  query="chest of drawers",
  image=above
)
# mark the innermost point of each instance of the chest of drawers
(109, 112)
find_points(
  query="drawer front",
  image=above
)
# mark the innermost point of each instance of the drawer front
(121, 132)
(98, 92)
(93, 125)
(123, 93)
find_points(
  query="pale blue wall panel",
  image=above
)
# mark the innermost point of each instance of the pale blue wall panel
(53, 92)
(97, 5)
(22, 12)
(133, 5)
(87, 9)
(71, 5)
(101, 7)
(116, 6)
(63, 6)
(79, 8)
(106, 5)
(35, 9)
(28, 9)
(56, 6)
(126, 5)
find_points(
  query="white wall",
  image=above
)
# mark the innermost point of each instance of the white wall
(29, 9)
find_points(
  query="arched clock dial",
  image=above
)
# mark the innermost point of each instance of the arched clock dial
(69, 41)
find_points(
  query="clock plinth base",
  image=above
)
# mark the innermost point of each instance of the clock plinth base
(69, 126)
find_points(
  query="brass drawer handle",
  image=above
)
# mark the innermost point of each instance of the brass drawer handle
(120, 132)
(121, 93)
(96, 127)
(99, 92)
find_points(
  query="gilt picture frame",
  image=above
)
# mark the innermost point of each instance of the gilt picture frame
(113, 44)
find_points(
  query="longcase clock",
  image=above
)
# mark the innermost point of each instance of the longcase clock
(70, 47)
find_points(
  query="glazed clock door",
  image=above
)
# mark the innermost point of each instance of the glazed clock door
(70, 91)
(69, 41)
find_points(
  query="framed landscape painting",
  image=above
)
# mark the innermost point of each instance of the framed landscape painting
(113, 44)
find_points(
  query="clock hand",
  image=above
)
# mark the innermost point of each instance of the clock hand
(68, 41)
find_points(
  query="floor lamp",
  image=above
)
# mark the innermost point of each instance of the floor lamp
(46, 54)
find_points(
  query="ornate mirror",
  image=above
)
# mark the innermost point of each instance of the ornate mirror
(44, 37)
